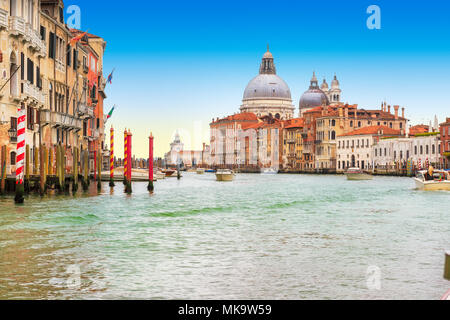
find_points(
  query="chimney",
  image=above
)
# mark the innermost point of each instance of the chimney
(403, 112)
(396, 111)
(389, 109)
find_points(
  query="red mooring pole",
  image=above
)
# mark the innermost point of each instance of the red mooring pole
(150, 164)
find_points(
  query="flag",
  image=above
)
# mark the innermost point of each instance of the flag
(110, 77)
(77, 38)
(110, 113)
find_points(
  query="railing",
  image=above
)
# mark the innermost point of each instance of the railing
(84, 110)
(35, 39)
(13, 135)
(290, 140)
(32, 91)
(4, 19)
(17, 26)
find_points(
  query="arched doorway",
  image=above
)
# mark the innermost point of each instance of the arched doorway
(353, 161)
(13, 74)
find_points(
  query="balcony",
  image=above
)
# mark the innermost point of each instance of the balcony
(4, 19)
(30, 91)
(290, 141)
(35, 39)
(17, 26)
(66, 121)
(45, 117)
(12, 135)
(85, 112)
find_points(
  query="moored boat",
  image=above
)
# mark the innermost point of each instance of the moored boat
(159, 175)
(269, 171)
(225, 175)
(169, 173)
(200, 171)
(357, 174)
(439, 180)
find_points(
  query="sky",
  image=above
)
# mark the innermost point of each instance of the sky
(178, 64)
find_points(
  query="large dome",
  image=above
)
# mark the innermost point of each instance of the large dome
(314, 97)
(267, 86)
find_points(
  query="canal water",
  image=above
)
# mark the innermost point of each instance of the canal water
(259, 237)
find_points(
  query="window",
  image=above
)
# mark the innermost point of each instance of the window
(427, 148)
(43, 33)
(30, 71)
(376, 152)
(385, 152)
(333, 123)
(61, 15)
(13, 123)
(433, 149)
(22, 66)
(52, 45)
(38, 78)
(351, 123)
(359, 124)
(69, 56)
(415, 150)
(421, 149)
(13, 158)
(390, 126)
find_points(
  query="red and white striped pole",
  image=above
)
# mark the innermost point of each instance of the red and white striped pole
(111, 158)
(20, 157)
(125, 157)
(150, 164)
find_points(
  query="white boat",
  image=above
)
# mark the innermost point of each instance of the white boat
(269, 171)
(201, 171)
(225, 175)
(440, 180)
(357, 174)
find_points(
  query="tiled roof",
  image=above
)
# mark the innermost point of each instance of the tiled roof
(420, 128)
(76, 32)
(294, 123)
(373, 130)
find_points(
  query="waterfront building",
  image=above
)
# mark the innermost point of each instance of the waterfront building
(224, 133)
(267, 93)
(293, 145)
(62, 101)
(418, 148)
(445, 143)
(354, 149)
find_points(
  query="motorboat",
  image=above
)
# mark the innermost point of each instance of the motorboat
(210, 171)
(269, 171)
(438, 180)
(225, 175)
(357, 174)
(200, 171)
(169, 173)
(159, 175)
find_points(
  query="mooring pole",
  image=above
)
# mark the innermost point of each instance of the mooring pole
(111, 159)
(46, 168)
(41, 171)
(99, 168)
(150, 187)
(20, 157)
(27, 168)
(75, 170)
(57, 171)
(129, 167)
(3, 170)
(125, 157)
(86, 173)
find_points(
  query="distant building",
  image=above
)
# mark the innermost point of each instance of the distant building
(355, 149)
(186, 158)
(445, 143)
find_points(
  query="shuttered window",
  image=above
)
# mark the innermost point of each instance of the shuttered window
(52, 46)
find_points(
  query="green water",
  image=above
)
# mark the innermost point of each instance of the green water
(259, 237)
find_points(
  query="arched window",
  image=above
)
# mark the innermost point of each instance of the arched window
(359, 124)
(351, 123)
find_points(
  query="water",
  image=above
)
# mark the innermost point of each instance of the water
(259, 237)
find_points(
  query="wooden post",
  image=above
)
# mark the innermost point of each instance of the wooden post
(150, 187)
(447, 266)
(75, 170)
(27, 169)
(41, 171)
(86, 170)
(36, 159)
(46, 168)
(111, 159)
(58, 165)
(99, 169)
(65, 185)
(50, 165)
(3, 170)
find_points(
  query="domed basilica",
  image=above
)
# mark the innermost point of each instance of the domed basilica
(268, 94)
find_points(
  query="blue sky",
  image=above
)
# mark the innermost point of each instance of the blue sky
(181, 63)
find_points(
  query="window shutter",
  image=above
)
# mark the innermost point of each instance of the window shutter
(22, 66)
(69, 56)
(52, 46)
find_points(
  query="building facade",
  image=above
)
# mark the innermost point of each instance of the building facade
(43, 74)
(445, 143)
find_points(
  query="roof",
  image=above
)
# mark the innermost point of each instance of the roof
(420, 128)
(294, 123)
(373, 130)
(90, 35)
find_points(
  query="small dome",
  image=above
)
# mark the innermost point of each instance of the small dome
(267, 86)
(324, 86)
(314, 97)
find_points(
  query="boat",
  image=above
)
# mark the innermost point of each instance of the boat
(210, 171)
(159, 175)
(169, 173)
(357, 174)
(225, 175)
(439, 180)
(200, 171)
(269, 171)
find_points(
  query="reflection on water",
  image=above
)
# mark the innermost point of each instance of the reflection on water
(266, 237)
